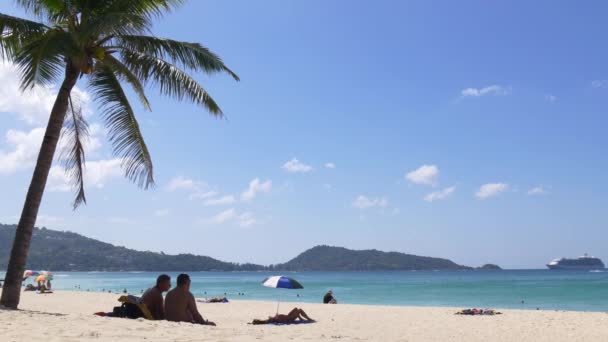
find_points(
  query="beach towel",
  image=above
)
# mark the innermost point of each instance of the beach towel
(478, 312)
(287, 323)
(292, 323)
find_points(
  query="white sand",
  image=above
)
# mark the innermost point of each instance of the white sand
(67, 316)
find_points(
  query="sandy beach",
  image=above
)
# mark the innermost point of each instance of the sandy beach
(68, 316)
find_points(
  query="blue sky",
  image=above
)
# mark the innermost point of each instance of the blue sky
(470, 130)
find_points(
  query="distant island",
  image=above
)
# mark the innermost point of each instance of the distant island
(67, 251)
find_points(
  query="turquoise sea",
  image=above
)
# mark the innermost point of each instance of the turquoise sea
(544, 289)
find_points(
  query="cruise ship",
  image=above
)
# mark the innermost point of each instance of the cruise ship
(584, 262)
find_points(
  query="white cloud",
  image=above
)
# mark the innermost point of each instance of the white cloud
(551, 98)
(224, 216)
(489, 90)
(439, 195)
(181, 183)
(161, 212)
(330, 165)
(255, 187)
(96, 174)
(32, 106)
(491, 190)
(364, 202)
(246, 219)
(229, 199)
(426, 174)
(25, 147)
(295, 166)
(599, 83)
(203, 195)
(538, 190)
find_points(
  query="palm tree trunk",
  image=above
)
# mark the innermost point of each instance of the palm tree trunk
(11, 290)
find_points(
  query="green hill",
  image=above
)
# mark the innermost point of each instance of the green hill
(328, 258)
(66, 251)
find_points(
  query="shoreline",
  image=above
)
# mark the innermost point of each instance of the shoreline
(68, 316)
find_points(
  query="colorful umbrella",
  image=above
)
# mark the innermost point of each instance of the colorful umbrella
(30, 273)
(281, 282)
(43, 278)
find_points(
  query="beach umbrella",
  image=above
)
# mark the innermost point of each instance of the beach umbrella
(43, 278)
(47, 273)
(30, 273)
(281, 282)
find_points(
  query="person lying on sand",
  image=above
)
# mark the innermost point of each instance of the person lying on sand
(180, 305)
(292, 316)
(153, 297)
(216, 300)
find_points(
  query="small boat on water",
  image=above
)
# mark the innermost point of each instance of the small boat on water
(584, 262)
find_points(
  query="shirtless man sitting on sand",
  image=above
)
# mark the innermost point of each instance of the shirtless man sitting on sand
(180, 305)
(292, 316)
(153, 297)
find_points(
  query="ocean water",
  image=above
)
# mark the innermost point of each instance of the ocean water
(544, 289)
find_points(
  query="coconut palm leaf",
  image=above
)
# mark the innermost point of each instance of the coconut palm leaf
(42, 60)
(171, 80)
(14, 32)
(191, 56)
(126, 75)
(74, 135)
(123, 130)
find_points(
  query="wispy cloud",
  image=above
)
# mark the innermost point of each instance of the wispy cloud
(440, 194)
(256, 186)
(203, 195)
(224, 216)
(296, 166)
(225, 200)
(551, 98)
(364, 202)
(491, 190)
(182, 183)
(426, 174)
(245, 219)
(330, 165)
(537, 190)
(599, 83)
(489, 90)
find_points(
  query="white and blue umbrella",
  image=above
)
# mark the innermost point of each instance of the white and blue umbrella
(281, 282)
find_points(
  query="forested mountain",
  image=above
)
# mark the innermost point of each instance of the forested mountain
(328, 258)
(67, 251)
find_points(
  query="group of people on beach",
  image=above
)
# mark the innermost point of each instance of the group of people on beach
(179, 304)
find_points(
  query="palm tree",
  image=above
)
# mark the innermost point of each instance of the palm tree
(108, 43)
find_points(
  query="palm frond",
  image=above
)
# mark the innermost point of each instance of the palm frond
(123, 130)
(14, 32)
(126, 75)
(42, 59)
(171, 80)
(75, 134)
(192, 56)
